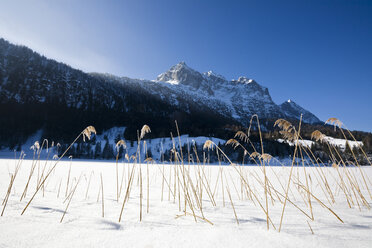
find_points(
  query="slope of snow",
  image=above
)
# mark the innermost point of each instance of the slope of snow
(84, 226)
(157, 146)
(293, 111)
(341, 143)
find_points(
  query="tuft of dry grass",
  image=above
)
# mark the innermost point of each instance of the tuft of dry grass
(208, 144)
(145, 129)
(335, 122)
(318, 136)
(233, 142)
(87, 132)
(284, 125)
(242, 136)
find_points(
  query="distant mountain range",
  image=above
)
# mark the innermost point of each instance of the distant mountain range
(39, 93)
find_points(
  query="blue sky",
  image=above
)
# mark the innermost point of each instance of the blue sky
(317, 53)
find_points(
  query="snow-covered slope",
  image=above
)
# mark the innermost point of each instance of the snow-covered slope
(341, 143)
(293, 111)
(92, 218)
(239, 98)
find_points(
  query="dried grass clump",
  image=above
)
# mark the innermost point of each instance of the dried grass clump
(87, 132)
(266, 157)
(242, 136)
(284, 125)
(318, 136)
(291, 137)
(334, 121)
(233, 142)
(255, 155)
(145, 129)
(149, 160)
(208, 145)
(121, 143)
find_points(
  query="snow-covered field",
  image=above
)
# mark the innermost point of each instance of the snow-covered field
(163, 221)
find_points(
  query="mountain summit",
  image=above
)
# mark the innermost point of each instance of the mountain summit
(293, 111)
(239, 99)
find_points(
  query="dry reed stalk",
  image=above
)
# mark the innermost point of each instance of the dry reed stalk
(216, 184)
(68, 204)
(312, 232)
(170, 181)
(264, 168)
(85, 133)
(59, 187)
(323, 205)
(99, 193)
(232, 204)
(7, 194)
(123, 173)
(141, 194)
(182, 162)
(118, 145)
(199, 217)
(145, 129)
(319, 136)
(165, 180)
(207, 187)
(352, 136)
(232, 181)
(68, 177)
(90, 178)
(290, 173)
(222, 188)
(33, 165)
(126, 197)
(209, 144)
(307, 185)
(103, 203)
(148, 160)
(193, 189)
(190, 205)
(12, 179)
(338, 123)
(291, 202)
(71, 190)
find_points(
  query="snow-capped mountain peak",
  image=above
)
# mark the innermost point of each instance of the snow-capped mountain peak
(293, 110)
(245, 80)
(181, 74)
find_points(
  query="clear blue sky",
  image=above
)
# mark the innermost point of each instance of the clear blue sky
(317, 53)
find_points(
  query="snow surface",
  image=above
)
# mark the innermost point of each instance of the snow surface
(84, 226)
(341, 143)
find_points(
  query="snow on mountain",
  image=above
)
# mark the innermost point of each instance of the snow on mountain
(293, 111)
(341, 143)
(239, 99)
(156, 146)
